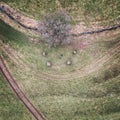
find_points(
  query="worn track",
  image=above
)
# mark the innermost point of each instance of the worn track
(15, 20)
(13, 84)
(75, 35)
(94, 66)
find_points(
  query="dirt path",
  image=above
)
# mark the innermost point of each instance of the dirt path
(94, 66)
(30, 24)
(17, 20)
(13, 84)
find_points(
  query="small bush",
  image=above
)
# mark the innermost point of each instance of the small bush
(55, 29)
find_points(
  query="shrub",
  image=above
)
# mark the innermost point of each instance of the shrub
(55, 29)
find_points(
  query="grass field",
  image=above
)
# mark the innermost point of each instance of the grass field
(10, 106)
(60, 96)
(79, 10)
(86, 90)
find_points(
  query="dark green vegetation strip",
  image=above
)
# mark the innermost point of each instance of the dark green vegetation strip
(12, 36)
(10, 106)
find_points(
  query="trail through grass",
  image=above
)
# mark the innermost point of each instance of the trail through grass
(10, 106)
(93, 97)
(90, 10)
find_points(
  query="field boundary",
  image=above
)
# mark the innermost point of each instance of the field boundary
(17, 90)
(22, 21)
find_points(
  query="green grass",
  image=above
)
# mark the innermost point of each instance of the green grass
(90, 10)
(93, 97)
(81, 99)
(11, 36)
(10, 106)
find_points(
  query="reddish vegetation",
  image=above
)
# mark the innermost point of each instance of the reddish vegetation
(34, 40)
(82, 45)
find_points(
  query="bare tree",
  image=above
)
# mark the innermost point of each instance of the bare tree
(55, 29)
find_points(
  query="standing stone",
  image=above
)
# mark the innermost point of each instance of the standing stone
(44, 53)
(49, 64)
(69, 62)
(74, 52)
